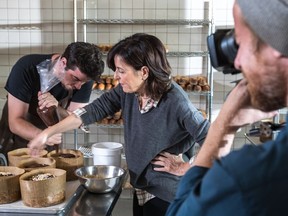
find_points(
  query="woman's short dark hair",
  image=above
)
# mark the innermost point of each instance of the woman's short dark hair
(141, 50)
(87, 57)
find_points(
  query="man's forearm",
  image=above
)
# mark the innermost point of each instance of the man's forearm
(24, 129)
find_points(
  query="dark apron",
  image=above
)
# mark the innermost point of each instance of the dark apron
(10, 141)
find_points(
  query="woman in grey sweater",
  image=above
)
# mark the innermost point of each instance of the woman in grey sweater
(158, 117)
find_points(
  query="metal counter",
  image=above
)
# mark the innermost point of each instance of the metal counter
(78, 202)
(94, 204)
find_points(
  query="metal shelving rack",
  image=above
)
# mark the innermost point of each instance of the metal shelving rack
(84, 22)
(191, 22)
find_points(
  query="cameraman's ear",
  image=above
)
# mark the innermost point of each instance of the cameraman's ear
(282, 59)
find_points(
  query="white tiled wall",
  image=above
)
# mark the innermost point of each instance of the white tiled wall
(46, 26)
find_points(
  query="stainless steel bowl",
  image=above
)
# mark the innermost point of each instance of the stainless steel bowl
(101, 178)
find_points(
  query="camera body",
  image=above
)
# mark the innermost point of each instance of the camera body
(223, 50)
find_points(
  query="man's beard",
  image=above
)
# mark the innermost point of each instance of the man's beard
(269, 97)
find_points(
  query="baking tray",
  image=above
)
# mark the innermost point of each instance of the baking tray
(73, 191)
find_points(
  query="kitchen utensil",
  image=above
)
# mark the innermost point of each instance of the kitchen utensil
(100, 178)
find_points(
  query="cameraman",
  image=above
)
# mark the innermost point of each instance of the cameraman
(253, 180)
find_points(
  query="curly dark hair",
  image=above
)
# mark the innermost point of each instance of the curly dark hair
(147, 50)
(87, 57)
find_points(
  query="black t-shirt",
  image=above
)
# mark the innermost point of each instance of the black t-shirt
(24, 83)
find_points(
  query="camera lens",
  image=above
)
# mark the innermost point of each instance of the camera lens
(229, 47)
(223, 50)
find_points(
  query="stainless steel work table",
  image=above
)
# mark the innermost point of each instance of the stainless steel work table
(95, 204)
(78, 202)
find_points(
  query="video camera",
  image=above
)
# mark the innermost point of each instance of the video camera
(223, 50)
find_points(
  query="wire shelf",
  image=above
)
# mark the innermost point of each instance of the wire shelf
(180, 54)
(86, 150)
(188, 54)
(109, 125)
(100, 92)
(204, 93)
(191, 22)
(19, 27)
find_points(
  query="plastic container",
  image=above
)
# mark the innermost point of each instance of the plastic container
(107, 153)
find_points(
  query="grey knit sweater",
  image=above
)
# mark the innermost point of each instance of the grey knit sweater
(174, 126)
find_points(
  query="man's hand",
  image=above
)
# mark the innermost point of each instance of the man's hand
(46, 100)
(237, 111)
(174, 164)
